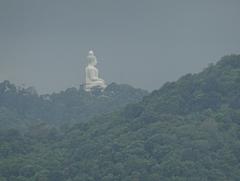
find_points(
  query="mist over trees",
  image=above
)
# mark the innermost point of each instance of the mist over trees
(64, 108)
(187, 130)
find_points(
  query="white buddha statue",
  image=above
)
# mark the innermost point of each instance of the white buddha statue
(92, 79)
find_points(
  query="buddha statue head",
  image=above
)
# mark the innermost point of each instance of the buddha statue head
(91, 58)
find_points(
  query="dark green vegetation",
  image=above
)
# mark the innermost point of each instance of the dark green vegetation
(187, 130)
(22, 107)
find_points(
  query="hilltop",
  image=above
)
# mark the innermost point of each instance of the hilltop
(186, 130)
(21, 107)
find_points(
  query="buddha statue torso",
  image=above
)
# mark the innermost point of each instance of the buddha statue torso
(92, 79)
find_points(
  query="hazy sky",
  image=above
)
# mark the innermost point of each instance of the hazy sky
(44, 43)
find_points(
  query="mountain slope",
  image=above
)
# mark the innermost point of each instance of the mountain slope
(67, 107)
(215, 86)
(187, 130)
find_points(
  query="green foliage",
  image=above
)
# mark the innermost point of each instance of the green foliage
(21, 107)
(187, 130)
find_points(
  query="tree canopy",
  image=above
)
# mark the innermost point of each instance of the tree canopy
(187, 130)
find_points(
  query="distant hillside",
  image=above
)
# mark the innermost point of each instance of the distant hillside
(187, 130)
(216, 86)
(23, 105)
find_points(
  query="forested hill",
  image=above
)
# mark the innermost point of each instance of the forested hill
(186, 130)
(20, 107)
(217, 86)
